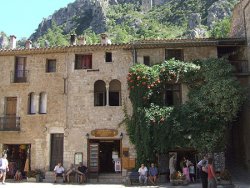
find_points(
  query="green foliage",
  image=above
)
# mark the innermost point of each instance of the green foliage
(215, 98)
(126, 22)
(54, 36)
(221, 28)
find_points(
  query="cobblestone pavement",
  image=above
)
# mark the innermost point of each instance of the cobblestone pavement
(51, 185)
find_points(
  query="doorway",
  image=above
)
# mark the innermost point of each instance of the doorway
(56, 150)
(18, 156)
(108, 150)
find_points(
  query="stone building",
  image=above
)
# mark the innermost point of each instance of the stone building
(67, 103)
(240, 139)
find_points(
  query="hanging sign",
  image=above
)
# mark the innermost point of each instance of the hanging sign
(104, 133)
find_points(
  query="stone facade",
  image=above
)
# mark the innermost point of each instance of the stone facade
(70, 92)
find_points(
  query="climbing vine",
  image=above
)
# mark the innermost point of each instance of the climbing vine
(215, 98)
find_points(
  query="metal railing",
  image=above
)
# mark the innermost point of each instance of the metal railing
(241, 66)
(19, 76)
(10, 123)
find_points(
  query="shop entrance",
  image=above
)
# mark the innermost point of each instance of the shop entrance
(108, 153)
(18, 156)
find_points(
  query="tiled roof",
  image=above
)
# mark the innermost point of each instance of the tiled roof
(147, 43)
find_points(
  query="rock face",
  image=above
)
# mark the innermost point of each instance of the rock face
(217, 11)
(83, 14)
(92, 13)
(89, 13)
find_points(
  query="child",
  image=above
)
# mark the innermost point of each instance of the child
(191, 172)
(186, 172)
(18, 176)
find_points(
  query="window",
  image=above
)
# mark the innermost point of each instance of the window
(20, 74)
(114, 93)
(51, 65)
(32, 104)
(43, 103)
(83, 61)
(108, 57)
(99, 93)
(146, 60)
(177, 54)
(172, 95)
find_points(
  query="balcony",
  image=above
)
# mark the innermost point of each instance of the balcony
(241, 67)
(10, 123)
(19, 76)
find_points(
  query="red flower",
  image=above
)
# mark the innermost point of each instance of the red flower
(144, 83)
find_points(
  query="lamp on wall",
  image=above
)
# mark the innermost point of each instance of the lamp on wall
(121, 135)
(87, 135)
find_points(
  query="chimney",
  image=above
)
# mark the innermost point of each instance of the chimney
(81, 40)
(12, 42)
(104, 39)
(28, 44)
(73, 39)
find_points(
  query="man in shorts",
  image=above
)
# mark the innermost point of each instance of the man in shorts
(59, 171)
(83, 169)
(4, 167)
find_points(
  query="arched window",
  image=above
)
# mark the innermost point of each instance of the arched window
(32, 103)
(99, 93)
(43, 103)
(115, 93)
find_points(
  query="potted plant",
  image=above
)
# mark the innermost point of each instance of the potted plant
(178, 179)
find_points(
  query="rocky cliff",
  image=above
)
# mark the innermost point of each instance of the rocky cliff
(83, 14)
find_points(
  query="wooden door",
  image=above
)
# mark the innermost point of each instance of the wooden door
(94, 157)
(11, 103)
(56, 150)
(10, 121)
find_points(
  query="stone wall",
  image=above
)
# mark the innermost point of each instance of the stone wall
(70, 105)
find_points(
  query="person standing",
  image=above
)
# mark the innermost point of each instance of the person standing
(172, 162)
(192, 172)
(202, 166)
(4, 167)
(143, 174)
(211, 174)
(204, 175)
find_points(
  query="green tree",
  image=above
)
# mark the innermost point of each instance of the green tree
(54, 37)
(221, 28)
(215, 98)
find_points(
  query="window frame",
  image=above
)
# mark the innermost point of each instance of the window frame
(108, 57)
(79, 65)
(174, 50)
(50, 69)
(171, 88)
(146, 60)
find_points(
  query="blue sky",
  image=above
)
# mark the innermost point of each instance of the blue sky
(22, 17)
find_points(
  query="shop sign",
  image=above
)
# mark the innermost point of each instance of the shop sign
(104, 133)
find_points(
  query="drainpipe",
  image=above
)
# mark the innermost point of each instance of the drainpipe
(134, 52)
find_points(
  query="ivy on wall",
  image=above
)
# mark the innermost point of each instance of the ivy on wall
(215, 98)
